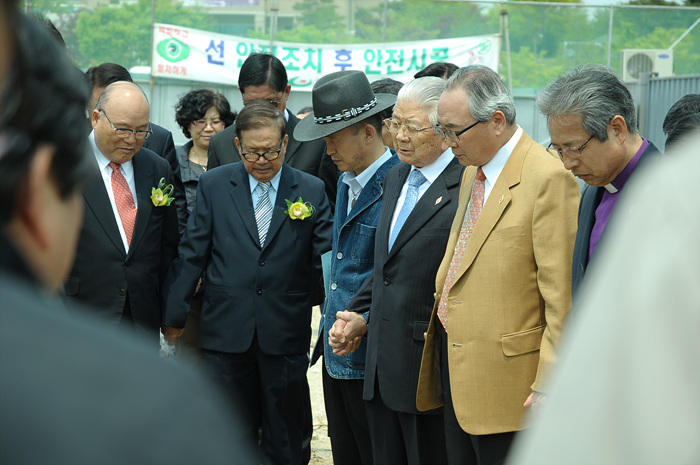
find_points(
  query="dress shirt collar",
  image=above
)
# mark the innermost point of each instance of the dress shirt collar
(435, 169)
(274, 182)
(492, 169)
(361, 180)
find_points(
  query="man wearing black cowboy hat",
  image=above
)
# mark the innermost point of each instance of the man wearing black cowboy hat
(348, 115)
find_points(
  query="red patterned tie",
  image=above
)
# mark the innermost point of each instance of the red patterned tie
(124, 200)
(475, 204)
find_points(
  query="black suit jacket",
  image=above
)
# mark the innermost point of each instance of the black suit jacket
(104, 274)
(590, 199)
(249, 289)
(403, 286)
(161, 142)
(309, 157)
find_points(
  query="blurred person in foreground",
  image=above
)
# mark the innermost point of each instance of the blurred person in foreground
(258, 229)
(393, 307)
(392, 87)
(592, 123)
(72, 391)
(355, 144)
(626, 388)
(504, 285)
(263, 77)
(130, 230)
(200, 113)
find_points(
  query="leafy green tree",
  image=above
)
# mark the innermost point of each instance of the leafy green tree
(123, 34)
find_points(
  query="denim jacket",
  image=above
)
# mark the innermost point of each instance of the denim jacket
(352, 261)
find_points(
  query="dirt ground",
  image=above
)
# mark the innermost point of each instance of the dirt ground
(320, 443)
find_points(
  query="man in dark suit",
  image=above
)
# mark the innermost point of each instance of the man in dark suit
(128, 239)
(260, 263)
(420, 200)
(592, 122)
(263, 77)
(73, 391)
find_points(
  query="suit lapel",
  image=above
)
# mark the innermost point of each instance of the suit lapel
(496, 204)
(393, 183)
(287, 190)
(431, 202)
(243, 202)
(144, 179)
(97, 200)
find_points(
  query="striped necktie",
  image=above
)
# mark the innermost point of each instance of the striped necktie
(263, 211)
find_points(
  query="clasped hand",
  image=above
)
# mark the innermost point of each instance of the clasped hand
(345, 336)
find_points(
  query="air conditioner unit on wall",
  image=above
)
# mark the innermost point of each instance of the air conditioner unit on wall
(637, 62)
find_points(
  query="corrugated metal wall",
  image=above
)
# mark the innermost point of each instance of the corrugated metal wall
(654, 97)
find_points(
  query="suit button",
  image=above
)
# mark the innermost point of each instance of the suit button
(339, 256)
(425, 335)
(386, 281)
(261, 263)
(334, 286)
(122, 292)
(258, 291)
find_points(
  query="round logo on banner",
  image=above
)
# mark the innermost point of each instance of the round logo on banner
(173, 50)
(298, 81)
(484, 47)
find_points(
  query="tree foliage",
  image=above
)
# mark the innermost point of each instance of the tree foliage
(122, 34)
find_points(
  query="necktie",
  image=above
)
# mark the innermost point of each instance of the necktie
(414, 182)
(473, 210)
(124, 200)
(263, 211)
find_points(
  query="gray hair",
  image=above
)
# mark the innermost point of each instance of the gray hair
(425, 92)
(595, 93)
(107, 93)
(486, 92)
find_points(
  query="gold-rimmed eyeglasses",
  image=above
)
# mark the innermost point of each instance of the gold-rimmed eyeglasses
(270, 155)
(408, 129)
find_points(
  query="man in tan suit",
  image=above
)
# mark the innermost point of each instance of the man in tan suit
(504, 285)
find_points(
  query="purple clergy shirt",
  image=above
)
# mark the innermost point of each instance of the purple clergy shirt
(605, 208)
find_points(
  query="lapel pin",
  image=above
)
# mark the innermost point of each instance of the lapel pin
(500, 201)
(439, 199)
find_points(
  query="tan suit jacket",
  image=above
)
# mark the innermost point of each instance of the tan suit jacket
(511, 294)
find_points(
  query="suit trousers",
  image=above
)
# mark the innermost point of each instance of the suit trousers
(464, 448)
(404, 438)
(268, 393)
(347, 420)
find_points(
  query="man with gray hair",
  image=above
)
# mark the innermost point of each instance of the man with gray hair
(420, 199)
(503, 288)
(592, 122)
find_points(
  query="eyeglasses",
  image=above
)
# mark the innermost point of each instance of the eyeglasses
(571, 152)
(452, 135)
(408, 129)
(202, 123)
(270, 155)
(123, 133)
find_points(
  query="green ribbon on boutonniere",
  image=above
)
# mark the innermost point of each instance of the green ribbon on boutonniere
(299, 210)
(162, 196)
